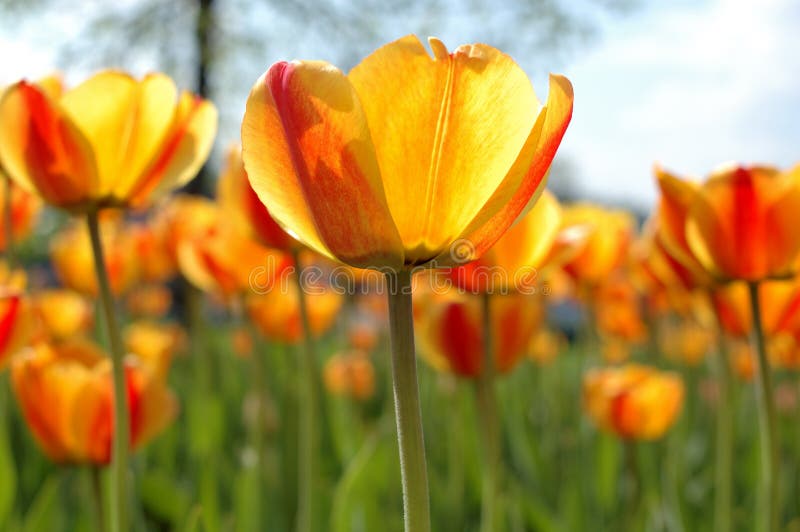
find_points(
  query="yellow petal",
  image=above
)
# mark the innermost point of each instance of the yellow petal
(310, 158)
(102, 107)
(446, 130)
(183, 152)
(527, 177)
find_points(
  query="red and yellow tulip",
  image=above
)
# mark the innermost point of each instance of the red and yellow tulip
(633, 401)
(65, 394)
(111, 141)
(378, 173)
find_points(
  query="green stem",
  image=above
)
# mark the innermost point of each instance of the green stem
(308, 413)
(489, 431)
(769, 494)
(97, 495)
(723, 469)
(8, 221)
(119, 455)
(408, 414)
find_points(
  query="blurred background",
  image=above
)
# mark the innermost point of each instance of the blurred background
(689, 83)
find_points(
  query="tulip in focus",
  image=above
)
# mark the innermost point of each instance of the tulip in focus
(372, 172)
(65, 394)
(633, 401)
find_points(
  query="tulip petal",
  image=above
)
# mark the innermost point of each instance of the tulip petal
(310, 158)
(42, 149)
(526, 178)
(185, 149)
(445, 136)
(103, 107)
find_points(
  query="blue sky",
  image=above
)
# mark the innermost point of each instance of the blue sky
(689, 84)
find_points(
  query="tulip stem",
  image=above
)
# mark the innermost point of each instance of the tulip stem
(769, 495)
(97, 494)
(119, 455)
(723, 469)
(307, 405)
(489, 431)
(8, 221)
(408, 414)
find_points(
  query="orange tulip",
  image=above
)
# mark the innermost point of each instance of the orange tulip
(686, 341)
(72, 258)
(450, 334)
(619, 312)
(25, 208)
(633, 401)
(156, 263)
(516, 261)
(238, 199)
(111, 141)
(741, 223)
(65, 394)
(350, 375)
(376, 172)
(607, 243)
(63, 314)
(219, 260)
(154, 343)
(276, 313)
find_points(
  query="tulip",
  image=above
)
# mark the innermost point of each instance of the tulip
(633, 401)
(276, 313)
(740, 225)
(219, 260)
(238, 199)
(156, 264)
(63, 314)
(155, 344)
(73, 259)
(112, 141)
(607, 243)
(451, 332)
(400, 164)
(350, 375)
(65, 393)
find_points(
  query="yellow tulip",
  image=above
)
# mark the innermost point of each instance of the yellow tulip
(404, 157)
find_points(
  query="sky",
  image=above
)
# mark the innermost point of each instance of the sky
(689, 84)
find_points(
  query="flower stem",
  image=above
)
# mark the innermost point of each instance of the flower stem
(769, 495)
(119, 454)
(97, 495)
(8, 221)
(723, 469)
(406, 404)
(490, 433)
(308, 413)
